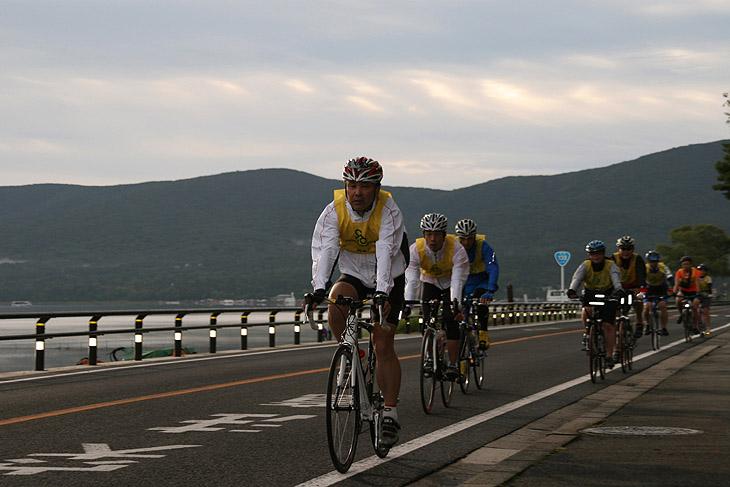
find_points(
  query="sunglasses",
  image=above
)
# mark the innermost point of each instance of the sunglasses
(626, 248)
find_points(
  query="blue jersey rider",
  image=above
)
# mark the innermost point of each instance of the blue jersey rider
(483, 273)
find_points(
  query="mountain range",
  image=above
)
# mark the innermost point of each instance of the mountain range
(247, 234)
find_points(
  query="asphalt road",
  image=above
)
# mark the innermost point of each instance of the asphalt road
(257, 418)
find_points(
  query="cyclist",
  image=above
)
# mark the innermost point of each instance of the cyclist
(599, 275)
(686, 286)
(363, 230)
(441, 264)
(483, 273)
(633, 275)
(658, 280)
(705, 295)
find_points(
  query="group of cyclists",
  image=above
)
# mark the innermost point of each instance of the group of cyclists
(625, 272)
(363, 231)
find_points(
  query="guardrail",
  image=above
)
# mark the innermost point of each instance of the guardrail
(500, 314)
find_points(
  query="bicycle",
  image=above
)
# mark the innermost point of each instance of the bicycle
(353, 395)
(596, 349)
(625, 337)
(653, 322)
(470, 356)
(434, 360)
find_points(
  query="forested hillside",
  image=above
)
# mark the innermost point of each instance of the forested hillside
(247, 234)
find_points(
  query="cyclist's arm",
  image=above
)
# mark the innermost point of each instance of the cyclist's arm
(490, 260)
(413, 275)
(615, 273)
(459, 272)
(325, 247)
(387, 248)
(578, 277)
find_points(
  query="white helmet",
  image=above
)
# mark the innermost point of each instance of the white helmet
(466, 228)
(434, 222)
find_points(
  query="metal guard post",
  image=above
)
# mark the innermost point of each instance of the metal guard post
(213, 332)
(272, 329)
(244, 330)
(40, 343)
(297, 327)
(138, 337)
(93, 326)
(178, 334)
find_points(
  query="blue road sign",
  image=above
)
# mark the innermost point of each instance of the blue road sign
(562, 257)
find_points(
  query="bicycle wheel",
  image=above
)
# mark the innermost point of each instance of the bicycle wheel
(594, 363)
(622, 344)
(654, 329)
(464, 359)
(343, 412)
(378, 403)
(479, 357)
(601, 341)
(629, 342)
(687, 323)
(428, 377)
(447, 386)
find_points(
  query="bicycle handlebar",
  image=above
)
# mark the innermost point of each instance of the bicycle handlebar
(352, 303)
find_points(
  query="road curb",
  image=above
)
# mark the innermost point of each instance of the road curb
(500, 460)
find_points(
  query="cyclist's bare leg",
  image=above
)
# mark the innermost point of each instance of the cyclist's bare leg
(647, 311)
(663, 314)
(695, 312)
(609, 331)
(388, 371)
(638, 305)
(337, 315)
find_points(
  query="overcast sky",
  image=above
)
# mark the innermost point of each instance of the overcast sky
(444, 93)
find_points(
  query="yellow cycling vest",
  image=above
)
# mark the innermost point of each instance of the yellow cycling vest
(359, 237)
(628, 276)
(705, 283)
(657, 278)
(598, 281)
(478, 266)
(441, 268)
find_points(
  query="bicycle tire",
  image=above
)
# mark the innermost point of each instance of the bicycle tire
(447, 386)
(593, 359)
(479, 366)
(622, 345)
(465, 346)
(601, 341)
(654, 330)
(343, 410)
(428, 384)
(378, 403)
(687, 323)
(630, 341)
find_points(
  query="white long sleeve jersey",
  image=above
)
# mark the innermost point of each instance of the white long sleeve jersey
(456, 281)
(374, 270)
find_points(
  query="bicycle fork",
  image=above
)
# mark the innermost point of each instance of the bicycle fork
(357, 379)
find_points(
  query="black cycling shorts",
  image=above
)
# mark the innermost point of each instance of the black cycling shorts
(396, 296)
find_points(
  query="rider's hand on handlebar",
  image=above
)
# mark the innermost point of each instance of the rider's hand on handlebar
(571, 294)
(486, 297)
(313, 299)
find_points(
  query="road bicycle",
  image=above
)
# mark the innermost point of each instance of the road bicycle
(653, 323)
(472, 360)
(353, 396)
(596, 347)
(434, 360)
(625, 339)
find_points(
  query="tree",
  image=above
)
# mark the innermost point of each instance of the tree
(723, 166)
(705, 243)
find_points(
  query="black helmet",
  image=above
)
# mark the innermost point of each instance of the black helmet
(702, 267)
(685, 258)
(653, 256)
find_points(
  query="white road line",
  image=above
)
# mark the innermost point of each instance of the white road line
(406, 448)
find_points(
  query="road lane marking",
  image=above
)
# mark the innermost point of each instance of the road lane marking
(130, 400)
